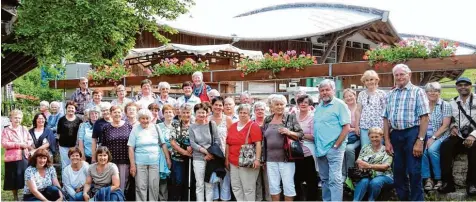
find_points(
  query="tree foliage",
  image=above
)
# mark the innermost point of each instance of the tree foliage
(96, 31)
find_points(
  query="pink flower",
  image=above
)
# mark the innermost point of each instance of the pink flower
(270, 51)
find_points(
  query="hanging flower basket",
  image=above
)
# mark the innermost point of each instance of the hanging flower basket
(107, 75)
(174, 67)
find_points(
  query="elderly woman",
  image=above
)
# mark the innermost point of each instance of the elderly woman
(131, 113)
(144, 146)
(155, 110)
(40, 177)
(115, 137)
(437, 132)
(201, 138)
(98, 127)
(68, 127)
(164, 171)
(229, 109)
(213, 94)
(103, 177)
(188, 96)
(74, 175)
(370, 106)
(374, 157)
(306, 168)
(43, 137)
(145, 97)
(16, 141)
(96, 101)
(245, 131)
(259, 112)
(85, 134)
(164, 97)
(121, 100)
(44, 108)
(353, 141)
(223, 122)
(181, 153)
(52, 120)
(200, 89)
(276, 127)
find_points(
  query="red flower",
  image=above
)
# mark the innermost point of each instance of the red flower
(377, 66)
(282, 69)
(242, 75)
(365, 57)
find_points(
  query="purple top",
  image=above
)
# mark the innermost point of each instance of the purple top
(307, 125)
(274, 143)
(115, 139)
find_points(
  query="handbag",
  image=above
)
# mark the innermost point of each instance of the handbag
(356, 174)
(247, 152)
(214, 148)
(292, 148)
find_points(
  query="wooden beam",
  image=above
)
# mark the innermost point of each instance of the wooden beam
(329, 48)
(342, 50)
(461, 62)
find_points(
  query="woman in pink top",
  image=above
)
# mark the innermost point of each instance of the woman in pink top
(17, 142)
(306, 168)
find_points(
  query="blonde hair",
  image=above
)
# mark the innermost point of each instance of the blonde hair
(348, 90)
(369, 74)
(376, 130)
(16, 112)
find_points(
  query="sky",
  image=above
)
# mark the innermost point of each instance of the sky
(454, 20)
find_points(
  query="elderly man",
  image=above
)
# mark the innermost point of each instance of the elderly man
(82, 96)
(245, 98)
(462, 138)
(213, 94)
(331, 126)
(407, 114)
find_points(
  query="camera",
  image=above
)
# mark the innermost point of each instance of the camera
(465, 131)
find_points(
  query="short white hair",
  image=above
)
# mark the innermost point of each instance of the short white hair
(259, 104)
(279, 98)
(242, 107)
(328, 82)
(403, 67)
(105, 105)
(186, 107)
(95, 109)
(245, 93)
(164, 84)
(229, 99)
(144, 113)
(45, 103)
(198, 73)
(213, 92)
(433, 86)
(55, 103)
(83, 78)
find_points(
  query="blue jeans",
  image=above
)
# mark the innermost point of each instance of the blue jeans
(405, 164)
(51, 193)
(364, 137)
(374, 186)
(78, 196)
(432, 155)
(330, 171)
(177, 172)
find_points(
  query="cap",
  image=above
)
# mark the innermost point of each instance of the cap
(463, 79)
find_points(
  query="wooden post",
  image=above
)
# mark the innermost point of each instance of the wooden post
(342, 50)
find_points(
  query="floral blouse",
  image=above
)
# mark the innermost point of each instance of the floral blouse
(181, 136)
(368, 155)
(372, 109)
(31, 173)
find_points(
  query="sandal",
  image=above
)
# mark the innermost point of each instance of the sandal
(428, 185)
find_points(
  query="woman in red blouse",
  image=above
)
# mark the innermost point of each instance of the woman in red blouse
(243, 180)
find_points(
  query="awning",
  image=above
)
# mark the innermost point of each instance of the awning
(196, 50)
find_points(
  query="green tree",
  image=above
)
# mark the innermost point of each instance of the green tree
(96, 31)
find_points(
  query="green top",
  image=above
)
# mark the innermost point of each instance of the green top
(368, 155)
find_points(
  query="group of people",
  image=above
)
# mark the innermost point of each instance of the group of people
(203, 147)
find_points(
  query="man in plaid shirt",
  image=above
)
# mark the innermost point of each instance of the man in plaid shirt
(406, 114)
(82, 95)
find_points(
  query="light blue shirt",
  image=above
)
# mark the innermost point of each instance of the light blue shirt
(329, 120)
(145, 143)
(85, 133)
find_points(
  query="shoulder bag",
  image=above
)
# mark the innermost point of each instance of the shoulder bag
(292, 148)
(247, 152)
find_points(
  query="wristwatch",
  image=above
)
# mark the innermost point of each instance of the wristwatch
(421, 139)
(433, 137)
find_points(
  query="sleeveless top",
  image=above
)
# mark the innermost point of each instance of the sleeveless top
(222, 131)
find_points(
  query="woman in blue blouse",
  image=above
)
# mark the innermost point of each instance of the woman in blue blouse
(437, 132)
(41, 182)
(54, 116)
(85, 134)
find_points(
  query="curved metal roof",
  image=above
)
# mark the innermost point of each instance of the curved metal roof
(281, 22)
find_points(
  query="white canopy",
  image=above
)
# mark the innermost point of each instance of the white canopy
(197, 50)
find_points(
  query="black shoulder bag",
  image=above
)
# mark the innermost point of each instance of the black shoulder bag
(292, 148)
(214, 148)
(466, 130)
